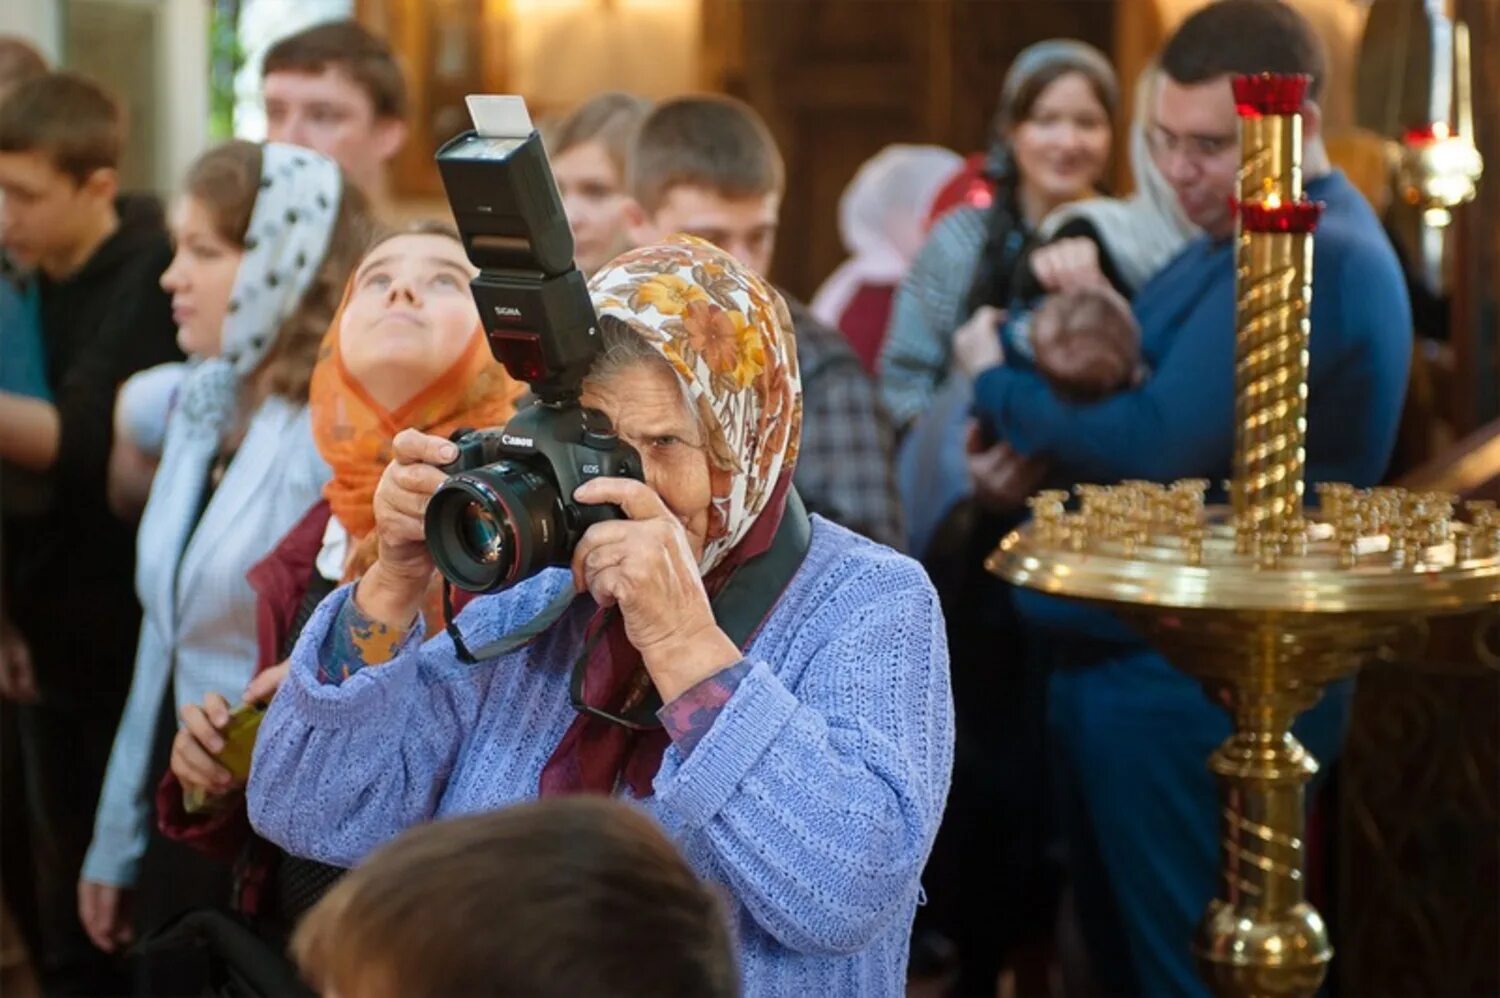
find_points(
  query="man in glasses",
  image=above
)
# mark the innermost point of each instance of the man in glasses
(1132, 734)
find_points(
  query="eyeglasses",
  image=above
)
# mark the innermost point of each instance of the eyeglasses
(1195, 148)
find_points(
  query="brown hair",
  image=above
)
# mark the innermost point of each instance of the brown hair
(610, 119)
(69, 119)
(19, 63)
(362, 56)
(226, 181)
(713, 142)
(1231, 37)
(566, 896)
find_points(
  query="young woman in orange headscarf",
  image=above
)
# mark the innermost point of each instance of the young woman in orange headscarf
(405, 350)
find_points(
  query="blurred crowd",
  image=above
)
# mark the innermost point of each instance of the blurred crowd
(843, 756)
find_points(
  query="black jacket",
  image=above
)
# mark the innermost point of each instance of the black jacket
(100, 325)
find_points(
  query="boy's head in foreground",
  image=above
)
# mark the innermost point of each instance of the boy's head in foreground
(567, 896)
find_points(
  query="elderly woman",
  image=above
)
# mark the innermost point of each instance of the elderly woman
(805, 772)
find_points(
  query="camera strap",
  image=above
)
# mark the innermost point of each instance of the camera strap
(506, 643)
(739, 609)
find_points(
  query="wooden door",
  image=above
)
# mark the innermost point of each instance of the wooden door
(839, 79)
(448, 49)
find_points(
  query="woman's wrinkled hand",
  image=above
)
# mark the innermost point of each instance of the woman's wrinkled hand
(645, 565)
(1068, 265)
(976, 344)
(198, 742)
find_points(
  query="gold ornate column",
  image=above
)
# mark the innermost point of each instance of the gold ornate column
(1273, 291)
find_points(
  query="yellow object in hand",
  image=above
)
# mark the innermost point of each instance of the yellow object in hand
(239, 745)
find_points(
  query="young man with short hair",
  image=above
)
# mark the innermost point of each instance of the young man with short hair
(97, 260)
(337, 89)
(589, 149)
(709, 167)
(1133, 734)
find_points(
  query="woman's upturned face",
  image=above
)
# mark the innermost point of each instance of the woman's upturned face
(409, 318)
(1062, 147)
(645, 402)
(200, 278)
(594, 200)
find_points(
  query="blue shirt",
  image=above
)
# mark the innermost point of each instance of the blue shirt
(23, 357)
(1180, 422)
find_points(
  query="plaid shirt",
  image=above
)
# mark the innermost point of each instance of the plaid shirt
(846, 469)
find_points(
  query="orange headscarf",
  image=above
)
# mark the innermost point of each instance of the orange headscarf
(353, 432)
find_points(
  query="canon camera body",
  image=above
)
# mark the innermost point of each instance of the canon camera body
(507, 511)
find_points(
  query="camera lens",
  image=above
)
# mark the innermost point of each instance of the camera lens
(481, 534)
(491, 527)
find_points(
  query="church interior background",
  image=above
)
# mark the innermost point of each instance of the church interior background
(1410, 879)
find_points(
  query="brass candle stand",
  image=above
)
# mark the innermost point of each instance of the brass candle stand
(1263, 601)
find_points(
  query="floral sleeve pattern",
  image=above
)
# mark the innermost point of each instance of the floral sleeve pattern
(354, 642)
(688, 718)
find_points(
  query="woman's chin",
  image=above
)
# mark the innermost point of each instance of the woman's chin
(195, 344)
(398, 343)
(397, 365)
(1069, 185)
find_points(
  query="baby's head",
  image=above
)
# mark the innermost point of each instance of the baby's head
(1087, 343)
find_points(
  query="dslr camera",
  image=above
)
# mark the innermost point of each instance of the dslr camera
(506, 512)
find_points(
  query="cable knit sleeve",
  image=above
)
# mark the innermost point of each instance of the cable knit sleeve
(818, 791)
(340, 768)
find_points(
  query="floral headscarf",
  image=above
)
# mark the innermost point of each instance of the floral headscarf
(729, 337)
(728, 334)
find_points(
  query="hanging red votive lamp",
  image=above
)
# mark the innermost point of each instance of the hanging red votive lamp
(1298, 217)
(1270, 93)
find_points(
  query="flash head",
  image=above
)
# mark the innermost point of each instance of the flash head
(533, 302)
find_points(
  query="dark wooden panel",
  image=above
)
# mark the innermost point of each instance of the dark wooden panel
(1476, 291)
(448, 49)
(835, 80)
(838, 79)
(1419, 839)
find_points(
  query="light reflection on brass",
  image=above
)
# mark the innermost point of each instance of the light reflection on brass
(1443, 171)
